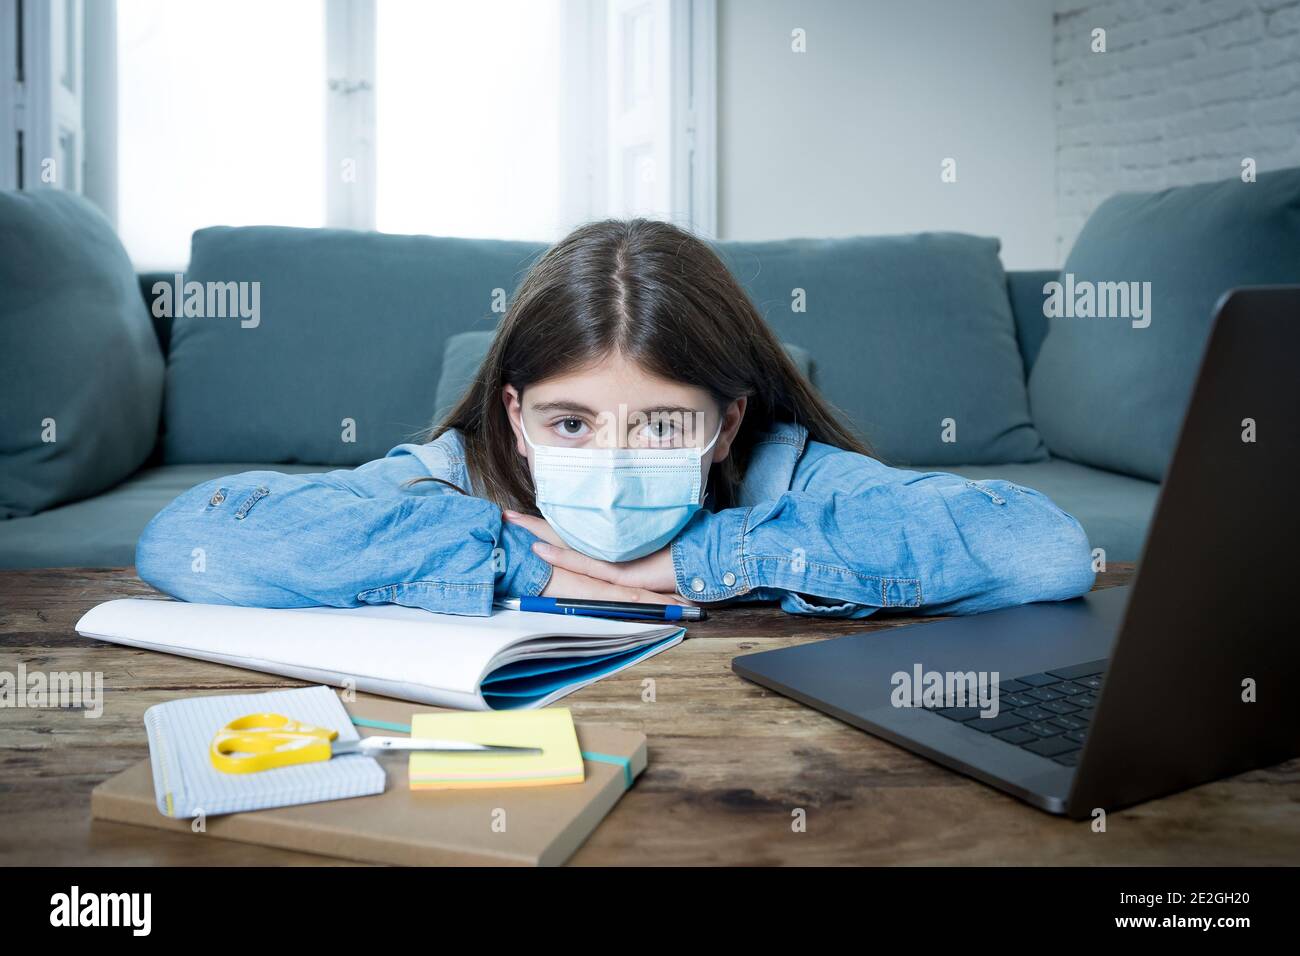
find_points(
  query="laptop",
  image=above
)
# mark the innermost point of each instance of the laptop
(1128, 693)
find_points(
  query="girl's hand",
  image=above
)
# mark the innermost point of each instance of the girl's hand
(567, 584)
(653, 573)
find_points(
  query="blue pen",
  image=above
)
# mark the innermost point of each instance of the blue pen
(617, 609)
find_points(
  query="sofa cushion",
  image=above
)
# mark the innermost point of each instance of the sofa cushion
(1025, 290)
(801, 358)
(465, 353)
(81, 370)
(101, 532)
(1115, 510)
(1110, 393)
(913, 338)
(341, 361)
(460, 361)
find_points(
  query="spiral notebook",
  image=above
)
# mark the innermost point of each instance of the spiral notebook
(510, 660)
(187, 785)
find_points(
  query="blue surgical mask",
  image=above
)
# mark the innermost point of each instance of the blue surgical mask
(618, 504)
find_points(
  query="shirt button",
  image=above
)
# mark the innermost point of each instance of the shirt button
(697, 585)
(217, 499)
(728, 579)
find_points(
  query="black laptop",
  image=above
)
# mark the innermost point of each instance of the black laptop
(1189, 674)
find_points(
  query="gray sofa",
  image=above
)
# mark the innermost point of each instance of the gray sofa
(943, 360)
(101, 531)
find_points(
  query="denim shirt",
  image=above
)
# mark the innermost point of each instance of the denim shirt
(821, 530)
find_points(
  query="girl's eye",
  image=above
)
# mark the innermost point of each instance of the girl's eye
(570, 427)
(660, 431)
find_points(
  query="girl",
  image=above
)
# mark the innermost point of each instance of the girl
(636, 432)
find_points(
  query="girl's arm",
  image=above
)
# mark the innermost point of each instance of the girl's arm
(342, 538)
(853, 535)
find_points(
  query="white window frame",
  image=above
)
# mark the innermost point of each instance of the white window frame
(11, 93)
(350, 114)
(695, 114)
(41, 103)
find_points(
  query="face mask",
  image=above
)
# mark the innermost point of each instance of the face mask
(617, 504)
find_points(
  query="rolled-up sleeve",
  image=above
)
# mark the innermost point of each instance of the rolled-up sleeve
(341, 539)
(855, 536)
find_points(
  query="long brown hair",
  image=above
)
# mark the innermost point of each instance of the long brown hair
(661, 298)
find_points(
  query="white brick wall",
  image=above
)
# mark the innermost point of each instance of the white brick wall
(1185, 90)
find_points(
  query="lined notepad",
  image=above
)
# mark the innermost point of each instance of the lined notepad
(186, 784)
(550, 728)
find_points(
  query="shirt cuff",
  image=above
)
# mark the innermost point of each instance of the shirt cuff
(720, 555)
(709, 556)
(520, 572)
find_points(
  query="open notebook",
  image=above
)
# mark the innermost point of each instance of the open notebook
(510, 660)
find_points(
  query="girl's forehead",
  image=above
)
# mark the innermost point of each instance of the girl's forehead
(614, 381)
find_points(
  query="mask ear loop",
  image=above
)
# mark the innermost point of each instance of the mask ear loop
(523, 429)
(712, 441)
(704, 481)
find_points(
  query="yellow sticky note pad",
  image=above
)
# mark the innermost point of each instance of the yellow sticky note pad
(550, 728)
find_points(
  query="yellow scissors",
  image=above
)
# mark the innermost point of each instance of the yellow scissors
(262, 741)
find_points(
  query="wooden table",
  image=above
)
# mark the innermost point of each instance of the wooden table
(729, 763)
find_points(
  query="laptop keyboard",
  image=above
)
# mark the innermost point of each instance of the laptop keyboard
(1047, 714)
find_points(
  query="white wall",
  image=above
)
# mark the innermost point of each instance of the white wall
(848, 138)
(1183, 93)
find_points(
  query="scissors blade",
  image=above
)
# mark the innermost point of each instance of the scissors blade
(371, 745)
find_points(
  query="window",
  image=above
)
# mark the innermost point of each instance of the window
(510, 119)
(467, 118)
(221, 120)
